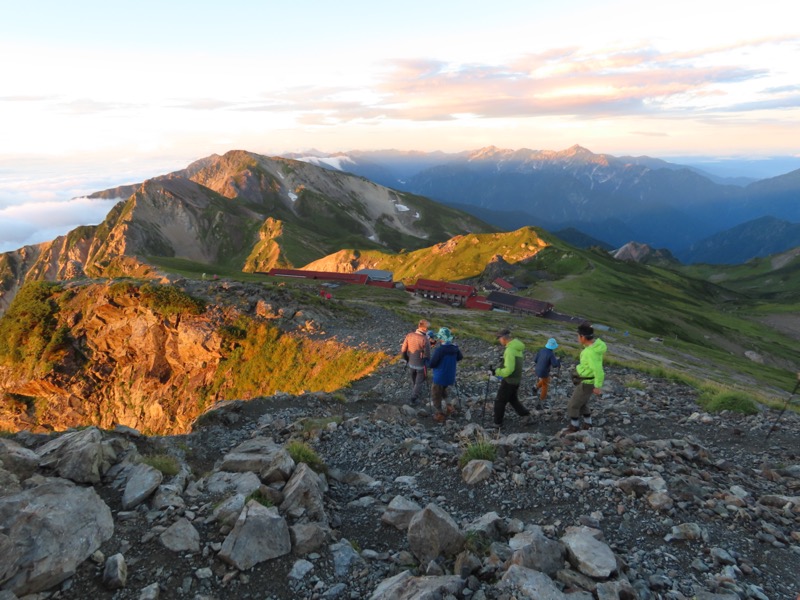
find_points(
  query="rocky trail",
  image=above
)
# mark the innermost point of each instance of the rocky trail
(657, 500)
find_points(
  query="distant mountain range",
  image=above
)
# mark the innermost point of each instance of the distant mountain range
(612, 199)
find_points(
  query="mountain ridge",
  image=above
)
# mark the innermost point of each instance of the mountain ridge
(653, 201)
(239, 210)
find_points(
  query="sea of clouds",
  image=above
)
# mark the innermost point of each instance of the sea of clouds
(41, 201)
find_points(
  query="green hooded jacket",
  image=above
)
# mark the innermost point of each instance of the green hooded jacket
(511, 370)
(591, 364)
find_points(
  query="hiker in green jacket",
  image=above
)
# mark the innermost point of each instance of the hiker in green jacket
(588, 378)
(510, 375)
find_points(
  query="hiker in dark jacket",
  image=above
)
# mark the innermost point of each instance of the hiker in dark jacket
(416, 351)
(443, 363)
(544, 360)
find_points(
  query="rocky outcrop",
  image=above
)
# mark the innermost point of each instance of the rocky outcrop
(129, 361)
(642, 253)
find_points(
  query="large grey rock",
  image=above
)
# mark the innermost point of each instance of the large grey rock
(168, 495)
(476, 471)
(224, 482)
(541, 554)
(230, 509)
(489, 525)
(404, 586)
(260, 534)
(532, 584)
(400, 512)
(17, 459)
(308, 537)
(588, 554)
(259, 455)
(80, 456)
(143, 480)
(345, 558)
(47, 531)
(181, 536)
(432, 533)
(303, 496)
(115, 573)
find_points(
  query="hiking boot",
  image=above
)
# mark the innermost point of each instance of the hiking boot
(439, 418)
(450, 409)
(586, 426)
(571, 429)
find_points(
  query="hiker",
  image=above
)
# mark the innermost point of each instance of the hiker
(510, 375)
(443, 363)
(416, 351)
(544, 360)
(588, 378)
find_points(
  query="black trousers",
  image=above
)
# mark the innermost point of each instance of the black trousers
(507, 394)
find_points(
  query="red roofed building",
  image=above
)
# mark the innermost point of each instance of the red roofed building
(503, 284)
(325, 275)
(443, 291)
(519, 304)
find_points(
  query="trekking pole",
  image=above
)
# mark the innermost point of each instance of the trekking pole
(486, 397)
(785, 406)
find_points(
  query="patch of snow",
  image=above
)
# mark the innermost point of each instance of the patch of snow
(401, 207)
(292, 196)
(334, 162)
(416, 215)
(280, 174)
(373, 238)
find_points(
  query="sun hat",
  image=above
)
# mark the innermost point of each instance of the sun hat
(445, 335)
(551, 344)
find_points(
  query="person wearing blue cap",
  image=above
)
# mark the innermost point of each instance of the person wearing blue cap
(545, 359)
(443, 363)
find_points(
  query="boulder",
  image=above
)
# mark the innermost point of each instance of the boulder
(432, 533)
(17, 459)
(80, 456)
(143, 480)
(404, 586)
(588, 554)
(400, 512)
(303, 497)
(260, 534)
(47, 531)
(530, 584)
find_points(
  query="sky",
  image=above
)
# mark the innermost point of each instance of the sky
(96, 94)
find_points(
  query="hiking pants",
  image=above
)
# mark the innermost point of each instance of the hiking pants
(417, 379)
(578, 404)
(507, 394)
(543, 384)
(438, 394)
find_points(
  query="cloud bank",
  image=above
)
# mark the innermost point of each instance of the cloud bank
(37, 222)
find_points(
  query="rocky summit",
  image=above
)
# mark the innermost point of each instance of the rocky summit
(357, 494)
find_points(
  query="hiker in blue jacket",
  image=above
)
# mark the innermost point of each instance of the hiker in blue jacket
(545, 359)
(443, 363)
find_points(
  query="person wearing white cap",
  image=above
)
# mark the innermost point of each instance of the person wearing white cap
(545, 359)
